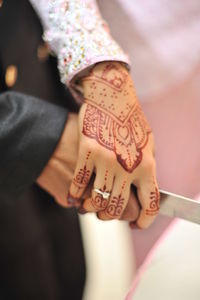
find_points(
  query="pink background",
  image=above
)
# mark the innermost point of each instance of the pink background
(162, 40)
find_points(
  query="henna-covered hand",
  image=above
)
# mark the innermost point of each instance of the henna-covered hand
(117, 144)
(58, 173)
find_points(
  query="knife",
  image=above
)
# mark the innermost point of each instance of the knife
(177, 206)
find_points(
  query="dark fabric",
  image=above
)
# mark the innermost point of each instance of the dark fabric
(41, 253)
(29, 132)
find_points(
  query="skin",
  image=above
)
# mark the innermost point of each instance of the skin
(58, 173)
(115, 143)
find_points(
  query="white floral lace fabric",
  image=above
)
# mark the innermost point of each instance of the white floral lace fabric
(77, 34)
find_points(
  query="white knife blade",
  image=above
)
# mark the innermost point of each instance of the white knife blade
(177, 206)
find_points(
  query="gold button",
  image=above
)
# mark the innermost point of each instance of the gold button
(1, 3)
(43, 52)
(11, 75)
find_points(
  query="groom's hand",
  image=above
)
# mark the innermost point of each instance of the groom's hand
(57, 175)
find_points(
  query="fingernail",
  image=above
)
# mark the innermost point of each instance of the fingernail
(82, 210)
(133, 225)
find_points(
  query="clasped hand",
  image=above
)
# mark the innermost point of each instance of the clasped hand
(114, 142)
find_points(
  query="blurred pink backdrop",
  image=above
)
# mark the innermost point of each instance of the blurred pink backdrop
(162, 40)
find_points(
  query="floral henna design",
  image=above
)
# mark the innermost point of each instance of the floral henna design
(154, 203)
(126, 139)
(111, 75)
(116, 205)
(117, 124)
(83, 176)
(98, 201)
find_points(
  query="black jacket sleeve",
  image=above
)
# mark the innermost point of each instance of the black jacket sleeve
(30, 129)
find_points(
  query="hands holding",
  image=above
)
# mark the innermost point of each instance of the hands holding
(58, 173)
(112, 140)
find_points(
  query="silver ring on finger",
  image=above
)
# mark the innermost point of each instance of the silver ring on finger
(105, 195)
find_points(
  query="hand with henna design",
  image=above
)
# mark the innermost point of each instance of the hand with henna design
(58, 173)
(116, 143)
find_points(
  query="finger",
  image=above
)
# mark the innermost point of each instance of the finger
(82, 175)
(132, 210)
(149, 198)
(103, 182)
(118, 200)
(87, 192)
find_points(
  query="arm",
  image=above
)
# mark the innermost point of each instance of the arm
(115, 140)
(29, 132)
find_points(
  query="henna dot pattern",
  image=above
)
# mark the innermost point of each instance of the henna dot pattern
(116, 123)
(82, 178)
(115, 207)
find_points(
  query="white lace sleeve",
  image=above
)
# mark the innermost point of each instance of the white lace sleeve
(77, 34)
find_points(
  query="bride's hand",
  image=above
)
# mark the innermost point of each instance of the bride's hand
(117, 144)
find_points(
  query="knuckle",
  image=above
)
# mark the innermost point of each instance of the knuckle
(98, 150)
(148, 164)
(86, 144)
(93, 146)
(108, 156)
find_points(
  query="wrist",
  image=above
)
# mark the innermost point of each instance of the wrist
(69, 138)
(109, 73)
(101, 66)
